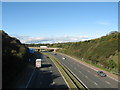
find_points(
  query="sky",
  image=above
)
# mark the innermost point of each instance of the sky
(52, 22)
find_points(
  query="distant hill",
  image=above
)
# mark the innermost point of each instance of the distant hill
(102, 51)
(14, 56)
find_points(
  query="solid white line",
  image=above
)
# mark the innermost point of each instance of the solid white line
(61, 75)
(30, 78)
(114, 79)
(76, 77)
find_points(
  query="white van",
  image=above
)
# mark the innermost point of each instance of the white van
(38, 63)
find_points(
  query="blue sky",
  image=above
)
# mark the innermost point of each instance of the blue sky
(34, 22)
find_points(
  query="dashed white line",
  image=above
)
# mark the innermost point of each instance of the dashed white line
(107, 82)
(88, 71)
(30, 79)
(86, 76)
(79, 71)
(51, 71)
(95, 83)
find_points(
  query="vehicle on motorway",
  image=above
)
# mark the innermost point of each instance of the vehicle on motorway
(63, 58)
(47, 57)
(38, 63)
(101, 73)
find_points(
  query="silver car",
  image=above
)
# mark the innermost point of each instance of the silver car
(101, 73)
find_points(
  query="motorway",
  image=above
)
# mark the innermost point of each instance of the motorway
(48, 76)
(87, 75)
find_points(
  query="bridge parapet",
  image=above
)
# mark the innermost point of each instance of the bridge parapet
(41, 48)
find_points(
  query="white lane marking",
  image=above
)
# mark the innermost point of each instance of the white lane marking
(62, 75)
(113, 78)
(76, 77)
(86, 76)
(88, 71)
(30, 78)
(95, 83)
(92, 68)
(51, 71)
(107, 82)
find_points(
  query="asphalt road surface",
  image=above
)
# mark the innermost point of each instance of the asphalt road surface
(47, 76)
(87, 75)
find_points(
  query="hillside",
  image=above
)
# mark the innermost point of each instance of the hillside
(14, 56)
(101, 51)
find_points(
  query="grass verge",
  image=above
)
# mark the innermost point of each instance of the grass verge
(71, 80)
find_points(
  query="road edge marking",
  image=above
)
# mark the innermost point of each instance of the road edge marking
(30, 78)
(61, 75)
(88, 66)
(77, 77)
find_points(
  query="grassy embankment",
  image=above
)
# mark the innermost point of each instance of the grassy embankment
(15, 57)
(101, 52)
(67, 75)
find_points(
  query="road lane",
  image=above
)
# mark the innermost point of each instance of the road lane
(91, 81)
(47, 76)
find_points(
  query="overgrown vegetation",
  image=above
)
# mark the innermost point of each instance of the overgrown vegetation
(14, 58)
(100, 51)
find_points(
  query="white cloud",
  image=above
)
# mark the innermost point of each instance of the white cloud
(104, 23)
(65, 38)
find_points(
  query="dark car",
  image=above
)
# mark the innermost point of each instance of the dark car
(101, 73)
